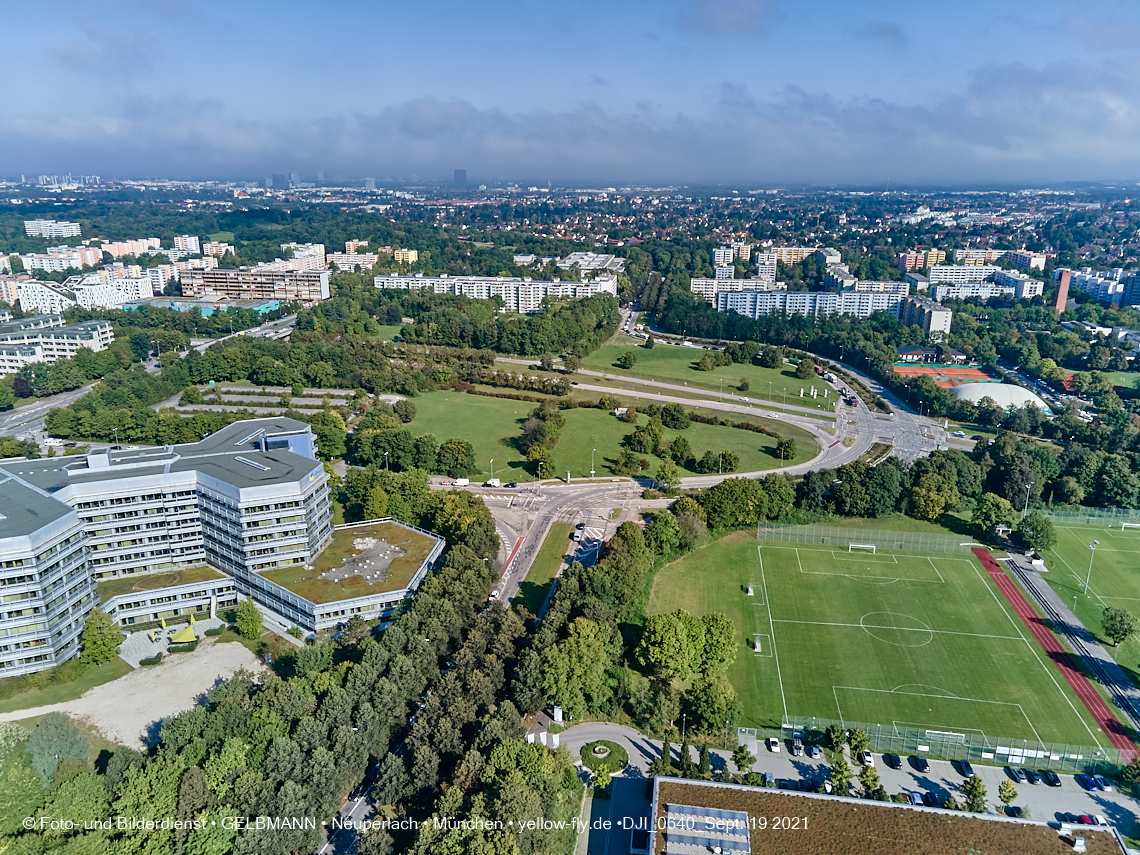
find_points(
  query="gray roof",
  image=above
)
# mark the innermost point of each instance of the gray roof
(24, 511)
(221, 455)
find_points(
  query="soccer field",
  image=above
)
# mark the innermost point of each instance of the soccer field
(1115, 578)
(897, 639)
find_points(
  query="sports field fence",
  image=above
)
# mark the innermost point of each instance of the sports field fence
(1092, 516)
(842, 538)
(939, 744)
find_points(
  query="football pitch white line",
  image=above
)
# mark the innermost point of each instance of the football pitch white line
(1020, 709)
(1077, 578)
(772, 628)
(901, 629)
(859, 576)
(862, 556)
(1034, 648)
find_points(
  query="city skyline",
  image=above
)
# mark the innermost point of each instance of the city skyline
(678, 91)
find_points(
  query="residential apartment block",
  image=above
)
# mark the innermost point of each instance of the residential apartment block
(931, 316)
(217, 249)
(87, 292)
(143, 246)
(188, 243)
(251, 501)
(256, 283)
(588, 262)
(960, 273)
(707, 289)
(766, 265)
(795, 254)
(977, 256)
(920, 259)
(60, 258)
(406, 256)
(919, 311)
(1024, 287)
(970, 291)
(353, 260)
(521, 296)
(723, 256)
(47, 338)
(1105, 286)
(51, 228)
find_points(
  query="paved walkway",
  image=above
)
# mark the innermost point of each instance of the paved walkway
(1115, 679)
(138, 646)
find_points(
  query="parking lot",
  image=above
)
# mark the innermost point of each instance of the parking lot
(1040, 801)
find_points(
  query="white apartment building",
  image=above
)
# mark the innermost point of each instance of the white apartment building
(51, 228)
(1023, 286)
(1027, 260)
(931, 316)
(756, 304)
(588, 262)
(306, 256)
(352, 260)
(520, 296)
(959, 273)
(970, 291)
(707, 289)
(87, 292)
(766, 265)
(977, 256)
(742, 250)
(188, 243)
(900, 288)
(839, 277)
(723, 256)
(60, 258)
(724, 272)
(142, 246)
(48, 338)
(406, 256)
(44, 297)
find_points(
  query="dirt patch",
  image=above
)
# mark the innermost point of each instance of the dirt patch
(128, 710)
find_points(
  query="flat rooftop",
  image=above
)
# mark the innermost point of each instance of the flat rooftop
(859, 827)
(24, 510)
(359, 561)
(109, 588)
(232, 454)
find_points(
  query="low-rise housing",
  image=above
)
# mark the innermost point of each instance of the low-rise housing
(521, 296)
(588, 262)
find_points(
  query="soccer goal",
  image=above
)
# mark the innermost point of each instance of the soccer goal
(1123, 526)
(852, 547)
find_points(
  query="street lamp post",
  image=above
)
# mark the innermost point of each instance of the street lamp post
(492, 468)
(1025, 510)
(592, 450)
(1092, 554)
(769, 390)
(386, 469)
(785, 394)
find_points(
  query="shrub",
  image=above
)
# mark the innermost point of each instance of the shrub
(151, 660)
(615, 761)
(55, 739)
(216, 631)
(189, 647)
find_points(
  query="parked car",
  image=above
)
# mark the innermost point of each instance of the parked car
(797, 747)
(866, 759)
(930, 800)
(512, 485)
(773, 744)
(1016, 773)
(1085, 819)
(1014, 810)
(1103, 783)
(893, 761)
(1068, 818)
(1087, 782)
(965, 768)
(1099, 820)
(813, 752)
(1050, 777)
(1032, 776)
(920, 763)
(915, 799)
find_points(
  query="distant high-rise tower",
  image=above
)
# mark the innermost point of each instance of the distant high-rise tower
(278, 181)
(1062, 291)
(461, 178)
(369, 183)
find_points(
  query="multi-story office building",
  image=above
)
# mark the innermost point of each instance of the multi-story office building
(51, 228)
(959, 273)
(188, 243)
(47, 338)
(406, 256)
(970, 291)
(588, 262)
(766, 265)
(931, 316)
(251, 501)
(256, 283)
(1023, 286)
(521, 296)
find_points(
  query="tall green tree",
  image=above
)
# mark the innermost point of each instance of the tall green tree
(248, 619)
(575, 669)
(101, 638)
(1037, 532)
(1119, 625)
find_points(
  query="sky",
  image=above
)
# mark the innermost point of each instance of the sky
(763, 92)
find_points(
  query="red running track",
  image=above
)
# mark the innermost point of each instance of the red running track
(1089, 696)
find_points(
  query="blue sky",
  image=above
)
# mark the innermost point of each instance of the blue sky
(605, 91)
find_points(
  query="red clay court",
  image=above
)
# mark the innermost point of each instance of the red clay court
(945, 375)
(1109, 723)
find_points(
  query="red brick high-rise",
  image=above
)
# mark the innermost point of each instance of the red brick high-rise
(1062, 292)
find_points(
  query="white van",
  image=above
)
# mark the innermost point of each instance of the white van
(461, 482)
(493, 482)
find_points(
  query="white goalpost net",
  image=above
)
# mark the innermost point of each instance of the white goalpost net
(851, 547)
(1123, 526)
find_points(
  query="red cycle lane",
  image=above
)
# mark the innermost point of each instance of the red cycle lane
(1089, 696)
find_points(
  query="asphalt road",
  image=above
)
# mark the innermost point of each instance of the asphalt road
(28, 422)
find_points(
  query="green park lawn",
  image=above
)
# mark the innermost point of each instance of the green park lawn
(94, 675)
(1114, 580)
(389, 331)
(1127, 379)
(221, 237)
(532, 592)
(492, 426)
(924, 640)
(671, 364)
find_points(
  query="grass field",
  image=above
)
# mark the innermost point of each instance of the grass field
(389, 331)
(1127, 379)
(678, 365)
(492, 425)
(95, 675)
(222, 237)
(923, 640)
(1114, 580)
(534, 588)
